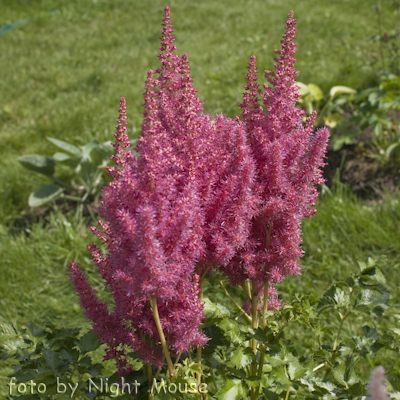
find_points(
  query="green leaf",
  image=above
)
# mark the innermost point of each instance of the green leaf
(88, 342)
(35, 330)
(295, 369)
(70, 355)
(328, 299)
(338, 90)
(231, 330)
(333, 119)
(44, 194)
(236, 373)
(340, 141)
(379, 262)
(68, 147)
(217, 338)
(101, 154)
(303, 88)
(42, 164)
(316, 92)
(376, 300)
(395, 330)
(338, 372)
(242, 357)
(52, 359)
(390, 149)
(270, 395)
(63, 158)
(24, 375)
(253, 381)
(342, 298)
(232, 389)
(281, 376)
(214, 310)
(357, 389)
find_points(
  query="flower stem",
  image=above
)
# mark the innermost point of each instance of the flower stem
(198, 359)
(342, 318)
(234, 302)
(154, 308)
(254, 325)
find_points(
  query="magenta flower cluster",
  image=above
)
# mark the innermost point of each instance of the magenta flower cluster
(203, 193)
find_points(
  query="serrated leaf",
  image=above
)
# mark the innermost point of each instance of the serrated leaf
(242, 357)
(214, 310)
(377, 300)
(35, 330)
(237, 373)
(338, 372)
(68, 147)
(370, 332)
(295, 369)
(35, 162)
(70, 355)
(280, 375)
(342, 298)
(52, 359)
(231, 330)
(88, 342)
(67, 333)
(7, 329)
(253, 381)
(372, 262)
(24, 375)
(232, 389)
(216, 336)
(44, 194)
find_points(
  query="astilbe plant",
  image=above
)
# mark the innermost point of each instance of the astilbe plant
(203, 193)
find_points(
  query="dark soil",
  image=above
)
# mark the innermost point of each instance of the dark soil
(366, 176)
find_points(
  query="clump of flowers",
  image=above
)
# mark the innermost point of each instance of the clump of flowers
(203, 193)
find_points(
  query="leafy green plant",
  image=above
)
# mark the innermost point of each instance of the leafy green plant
(325, 368)
(302, 351)
(87, 162)
(48, 360)
(373, 107)
(312, 97)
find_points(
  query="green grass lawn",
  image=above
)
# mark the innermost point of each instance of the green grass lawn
(63, 72)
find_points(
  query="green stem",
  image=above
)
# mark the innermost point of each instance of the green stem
(177, 359)
(288, 388)
(213, 378)
(246, 292)
(234, 302)
(287, 392)
(254, 325)
(201, 283)
(156, 316)
(342, 318)
(73, 198)
(263, 348)
(265, 304)
(319, 367)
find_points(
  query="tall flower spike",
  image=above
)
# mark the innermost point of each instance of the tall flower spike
(288, 157)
